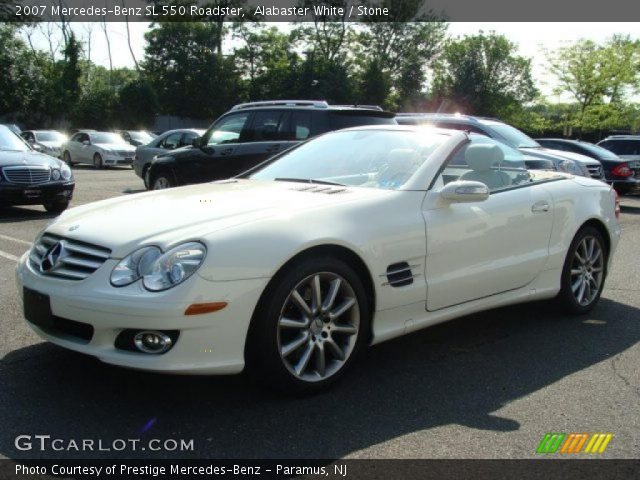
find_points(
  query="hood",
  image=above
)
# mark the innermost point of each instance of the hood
(558, 155)
(118, 147)
(189, 213)
(576, 157)
(31, 158)
(51, 144)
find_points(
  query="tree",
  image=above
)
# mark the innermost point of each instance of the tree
(190, 78)
(138, 104)
(595, 74)
(483, 75)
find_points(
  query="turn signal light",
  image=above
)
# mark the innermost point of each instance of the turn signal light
(200, 308)
(622, 170)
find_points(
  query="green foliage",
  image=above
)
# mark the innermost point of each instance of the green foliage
(483, 75)
(137, 105)
(190, 78)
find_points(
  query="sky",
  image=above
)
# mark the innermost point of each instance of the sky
(532, 40)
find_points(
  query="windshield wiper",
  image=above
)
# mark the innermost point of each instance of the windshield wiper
(308, 180)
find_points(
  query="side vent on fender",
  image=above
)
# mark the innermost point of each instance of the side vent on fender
(399, 274)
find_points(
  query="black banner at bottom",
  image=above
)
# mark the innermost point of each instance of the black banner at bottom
(333, 469)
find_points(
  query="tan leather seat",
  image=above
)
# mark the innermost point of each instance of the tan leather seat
(481, 159)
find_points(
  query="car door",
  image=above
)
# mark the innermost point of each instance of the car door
(220, 157)
(476, 250)
(266, 136)
(73, 147)
(85, 150)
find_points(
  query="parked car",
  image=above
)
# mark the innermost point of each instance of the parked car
(169, 140)
(28, 177)
(252, 132)
(512, 156)
(623, 174)
(136, 137)
(45, 141)
(294, 267)
(99, 149)
(564, 161)
(14, 128)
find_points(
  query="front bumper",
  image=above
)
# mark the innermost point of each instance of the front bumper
(210, 343)
(115, 160)
(16, 194)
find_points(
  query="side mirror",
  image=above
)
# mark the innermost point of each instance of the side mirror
(465, 191)
(197, 142)
(86, 142)
(36, 147)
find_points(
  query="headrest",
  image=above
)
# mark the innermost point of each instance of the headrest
(481, 158)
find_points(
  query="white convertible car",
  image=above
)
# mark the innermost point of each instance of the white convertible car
(349, 239)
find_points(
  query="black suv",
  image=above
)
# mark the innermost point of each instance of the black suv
(252, 132)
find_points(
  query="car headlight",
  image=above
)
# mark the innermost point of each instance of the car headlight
(159, 271)
(174, 266)
(569, 166)
(133, 266)
(65, 171)
(55, 174)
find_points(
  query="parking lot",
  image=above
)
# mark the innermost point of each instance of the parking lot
(488, 385)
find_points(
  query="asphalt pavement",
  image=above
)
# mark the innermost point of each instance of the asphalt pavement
(488, 385)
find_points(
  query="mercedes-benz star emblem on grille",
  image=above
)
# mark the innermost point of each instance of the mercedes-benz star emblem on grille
(52, 257)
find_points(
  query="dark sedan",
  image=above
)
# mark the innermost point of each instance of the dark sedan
(28, 177)
(623, 174)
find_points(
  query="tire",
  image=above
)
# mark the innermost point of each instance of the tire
(66, 157)
(161, 181)
(145, 180)
(285, 345)
(584, 273)
(97, 161)
(56, 206)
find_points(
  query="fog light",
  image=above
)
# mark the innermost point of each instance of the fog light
(152, 342)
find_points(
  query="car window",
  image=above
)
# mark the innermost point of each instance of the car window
(347, 118)
(622, 147)
(83, 137)
(188, 138)
(172, 141)
(106, 137)
(513, 136)
(11, 141)
(488, 162)
(76, 137)
(301, 125)
(227, 130)
(598, 151)
(267, 126)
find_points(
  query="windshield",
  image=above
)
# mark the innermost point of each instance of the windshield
(11, 141)
(369, 158)
(513, 136)
(143, 137)
(104, 137)
(50, 137)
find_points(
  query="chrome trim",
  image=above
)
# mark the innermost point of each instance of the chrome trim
(26, 174)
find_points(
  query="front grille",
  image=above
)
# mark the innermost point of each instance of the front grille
(76, 261)
(125, 154)
(27, 175)
(595, 171)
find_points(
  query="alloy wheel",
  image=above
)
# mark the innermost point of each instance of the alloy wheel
(161, 183)
(318, 326)
(587, 270)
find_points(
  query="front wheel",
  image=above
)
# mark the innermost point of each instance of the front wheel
(584, 272)
(97, 161)
(161, 182)
(310, 325)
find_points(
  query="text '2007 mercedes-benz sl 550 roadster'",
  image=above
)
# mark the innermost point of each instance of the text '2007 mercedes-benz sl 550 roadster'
(289, 270)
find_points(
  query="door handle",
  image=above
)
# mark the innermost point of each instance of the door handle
(540, 207)
(226, 151)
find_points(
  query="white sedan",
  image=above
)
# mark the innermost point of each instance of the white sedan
(99, 149)
(349, 239)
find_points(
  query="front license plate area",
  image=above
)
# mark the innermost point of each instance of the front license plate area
(32, 193)
(37, 308)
